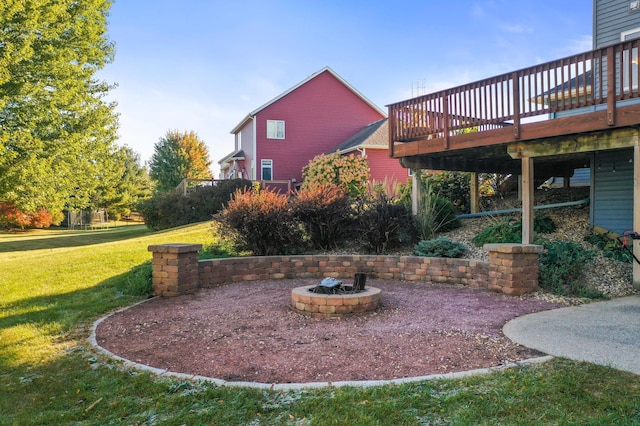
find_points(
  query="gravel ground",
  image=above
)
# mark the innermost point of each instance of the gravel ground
(611, 277)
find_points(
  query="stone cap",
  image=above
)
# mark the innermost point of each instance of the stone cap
(514, 248)
(174, 248)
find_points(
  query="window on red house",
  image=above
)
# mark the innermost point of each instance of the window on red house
(275, 129)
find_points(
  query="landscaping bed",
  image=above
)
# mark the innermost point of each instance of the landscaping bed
(248, 332)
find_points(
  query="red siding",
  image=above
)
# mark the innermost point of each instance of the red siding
(381, 166)
(319, 115)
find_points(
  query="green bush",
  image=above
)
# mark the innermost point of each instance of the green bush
(436, 215)
(503, 231)
(326, 213)
(452, 186)
(384, 224)
(138, 281)
(561, 268)
(610, 246)
(440, 247)
(262, 222)
(164, 210)
(510, 231)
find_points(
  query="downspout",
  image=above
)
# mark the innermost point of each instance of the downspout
(255, 150)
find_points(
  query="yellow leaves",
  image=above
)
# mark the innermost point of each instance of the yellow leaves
(350, 172)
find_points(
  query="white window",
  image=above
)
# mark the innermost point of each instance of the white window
(630, 35)
(266, 167)
(630, 61)
(275, 129)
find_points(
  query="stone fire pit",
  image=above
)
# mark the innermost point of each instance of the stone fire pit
(305, 301)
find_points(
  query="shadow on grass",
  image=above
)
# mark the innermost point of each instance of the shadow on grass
(56, 315)
(75, 239)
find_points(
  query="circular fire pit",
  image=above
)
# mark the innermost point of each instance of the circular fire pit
(319, 305)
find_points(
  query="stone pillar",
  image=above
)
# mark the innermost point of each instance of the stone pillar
(175, 269)
(513, 268)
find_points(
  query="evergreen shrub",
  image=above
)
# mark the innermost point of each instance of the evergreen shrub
(440, 247)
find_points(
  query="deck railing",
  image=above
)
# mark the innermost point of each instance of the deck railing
(578, 81)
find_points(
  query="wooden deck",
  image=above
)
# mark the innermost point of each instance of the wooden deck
(487, 125)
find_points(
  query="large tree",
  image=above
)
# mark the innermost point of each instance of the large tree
(177, 156)
(124, 182)
(55, 126)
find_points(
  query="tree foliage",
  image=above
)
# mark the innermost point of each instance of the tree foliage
(349, 172)
(177, 156)
(55, 127)
(124, 182)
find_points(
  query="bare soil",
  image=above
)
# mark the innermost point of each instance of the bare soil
(248, 332)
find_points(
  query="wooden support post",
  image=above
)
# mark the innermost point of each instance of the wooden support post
(446, 118)
(515, 81)
(636, 209)
(611, 86)
(416, 191)
(475, 193)
(527, 200)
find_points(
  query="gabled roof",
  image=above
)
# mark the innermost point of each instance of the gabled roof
(374, 135)
(311, 77)
(236, 155)
(568, 89)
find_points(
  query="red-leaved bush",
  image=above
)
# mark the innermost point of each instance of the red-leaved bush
(326, 213)
(13, 218)
(262, 222)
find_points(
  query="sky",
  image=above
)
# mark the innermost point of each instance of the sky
(203, 65)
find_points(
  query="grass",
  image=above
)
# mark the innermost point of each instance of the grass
(54, 284)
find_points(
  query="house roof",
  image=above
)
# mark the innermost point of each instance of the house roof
(236, 155)
(253, 113)
(568, 89)
(374, 135)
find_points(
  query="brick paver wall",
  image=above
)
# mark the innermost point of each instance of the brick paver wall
(512, 268)
(402, 268)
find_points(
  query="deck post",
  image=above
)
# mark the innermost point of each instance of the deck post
(515, 81)
(611, 86)
(416, 191)
(636, 208)
(475, 193)
(527, 200)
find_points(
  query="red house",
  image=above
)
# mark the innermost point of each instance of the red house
(319, 114)
(372, 142)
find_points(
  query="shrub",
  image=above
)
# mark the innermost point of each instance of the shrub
(509, 231)
(325, 212)
(164, 210)
(440, 247)
(452, 186)
(349, 172)
(262, 223)
(610, 246)
(12, 217)
(561, 268)
(436, 215)
(138, 281)
(383, 223)
(503, 231)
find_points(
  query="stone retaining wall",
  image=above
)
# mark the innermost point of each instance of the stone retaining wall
(512, 268)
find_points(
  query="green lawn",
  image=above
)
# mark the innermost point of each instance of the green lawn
(54, 284)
